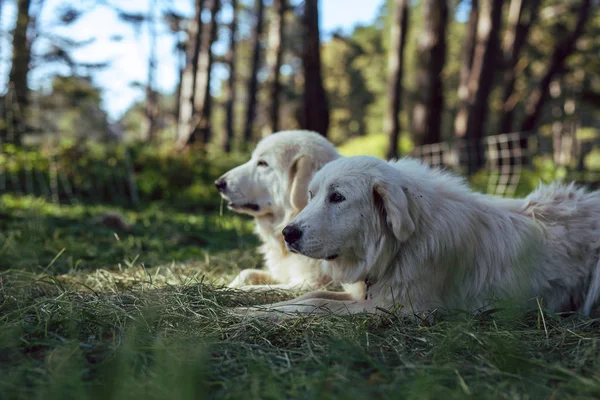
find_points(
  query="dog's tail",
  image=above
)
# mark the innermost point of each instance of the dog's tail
(593, 291)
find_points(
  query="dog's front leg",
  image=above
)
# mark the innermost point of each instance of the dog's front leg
(322, 294)
(307, 306)
(252, 277)
(273, 287)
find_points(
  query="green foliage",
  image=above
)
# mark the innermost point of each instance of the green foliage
(134, 119)
(374, 145)
(73, 108)
(349, 98)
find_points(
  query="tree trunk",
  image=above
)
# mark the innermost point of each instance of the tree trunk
(17, 81)
(481, 80)
(188, 78)
(460, 122)
(253, 82)
(274, 60)
(427, 114)
(151, 95)
(181, 64)
(230, 89)
(200, 128)
(398, 32)
(1, 26)
(521, 16)
(315, 107)
(203, 99)
(562, 51)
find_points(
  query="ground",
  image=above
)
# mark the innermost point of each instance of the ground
(95, 311)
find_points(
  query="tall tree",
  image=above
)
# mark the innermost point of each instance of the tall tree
(1, 25)
(187, 86)
(315, 107)
(460, 122)
(274, 60)
(230, 94)
(180, 71)
(151, 110)
(200, 127)
(427, 113)
(398, 32)
(253, 81)
(203, 99)
(564, 48)
(481, 78)
(18, 76)
(521, 16)
(175, 21)
(57, 49)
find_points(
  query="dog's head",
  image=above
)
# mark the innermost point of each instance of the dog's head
(356, 204)
(275, 179)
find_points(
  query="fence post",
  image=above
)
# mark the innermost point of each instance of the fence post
(53, 177)
(3, 161)
(131, 178)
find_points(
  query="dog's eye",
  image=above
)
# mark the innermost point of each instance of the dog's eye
(310, 195)
(335, 197)
(262, 163)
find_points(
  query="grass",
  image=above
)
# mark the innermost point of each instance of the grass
(374, 145)
(178, 341)
(90, 312)
(42, 237)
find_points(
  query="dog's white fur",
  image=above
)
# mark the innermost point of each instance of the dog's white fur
(273, 188)
(425, 241)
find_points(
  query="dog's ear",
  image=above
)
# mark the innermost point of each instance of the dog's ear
(300, 174)
(392, 201)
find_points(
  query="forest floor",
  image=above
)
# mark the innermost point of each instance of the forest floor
(91, 311)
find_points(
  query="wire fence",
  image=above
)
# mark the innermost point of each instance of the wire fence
(507, 156)
(63, 176)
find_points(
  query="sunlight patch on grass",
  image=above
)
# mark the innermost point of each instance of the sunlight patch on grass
(33, 232)
(374, 145)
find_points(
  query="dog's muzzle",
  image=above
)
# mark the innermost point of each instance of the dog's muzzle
(291, 234)
(221, 185)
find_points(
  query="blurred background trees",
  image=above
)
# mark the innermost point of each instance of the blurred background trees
(422, 72)
(398, 30)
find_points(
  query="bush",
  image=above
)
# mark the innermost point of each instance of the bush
(102, 173)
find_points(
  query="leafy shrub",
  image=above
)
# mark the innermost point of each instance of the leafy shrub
(102, 174)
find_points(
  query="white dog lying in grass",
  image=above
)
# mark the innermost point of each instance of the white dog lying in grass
(421, 239)
(273, 188)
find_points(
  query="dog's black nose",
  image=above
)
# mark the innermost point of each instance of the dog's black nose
(291, 234)
(221, 184)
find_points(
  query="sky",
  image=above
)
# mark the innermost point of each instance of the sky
(129, 56)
